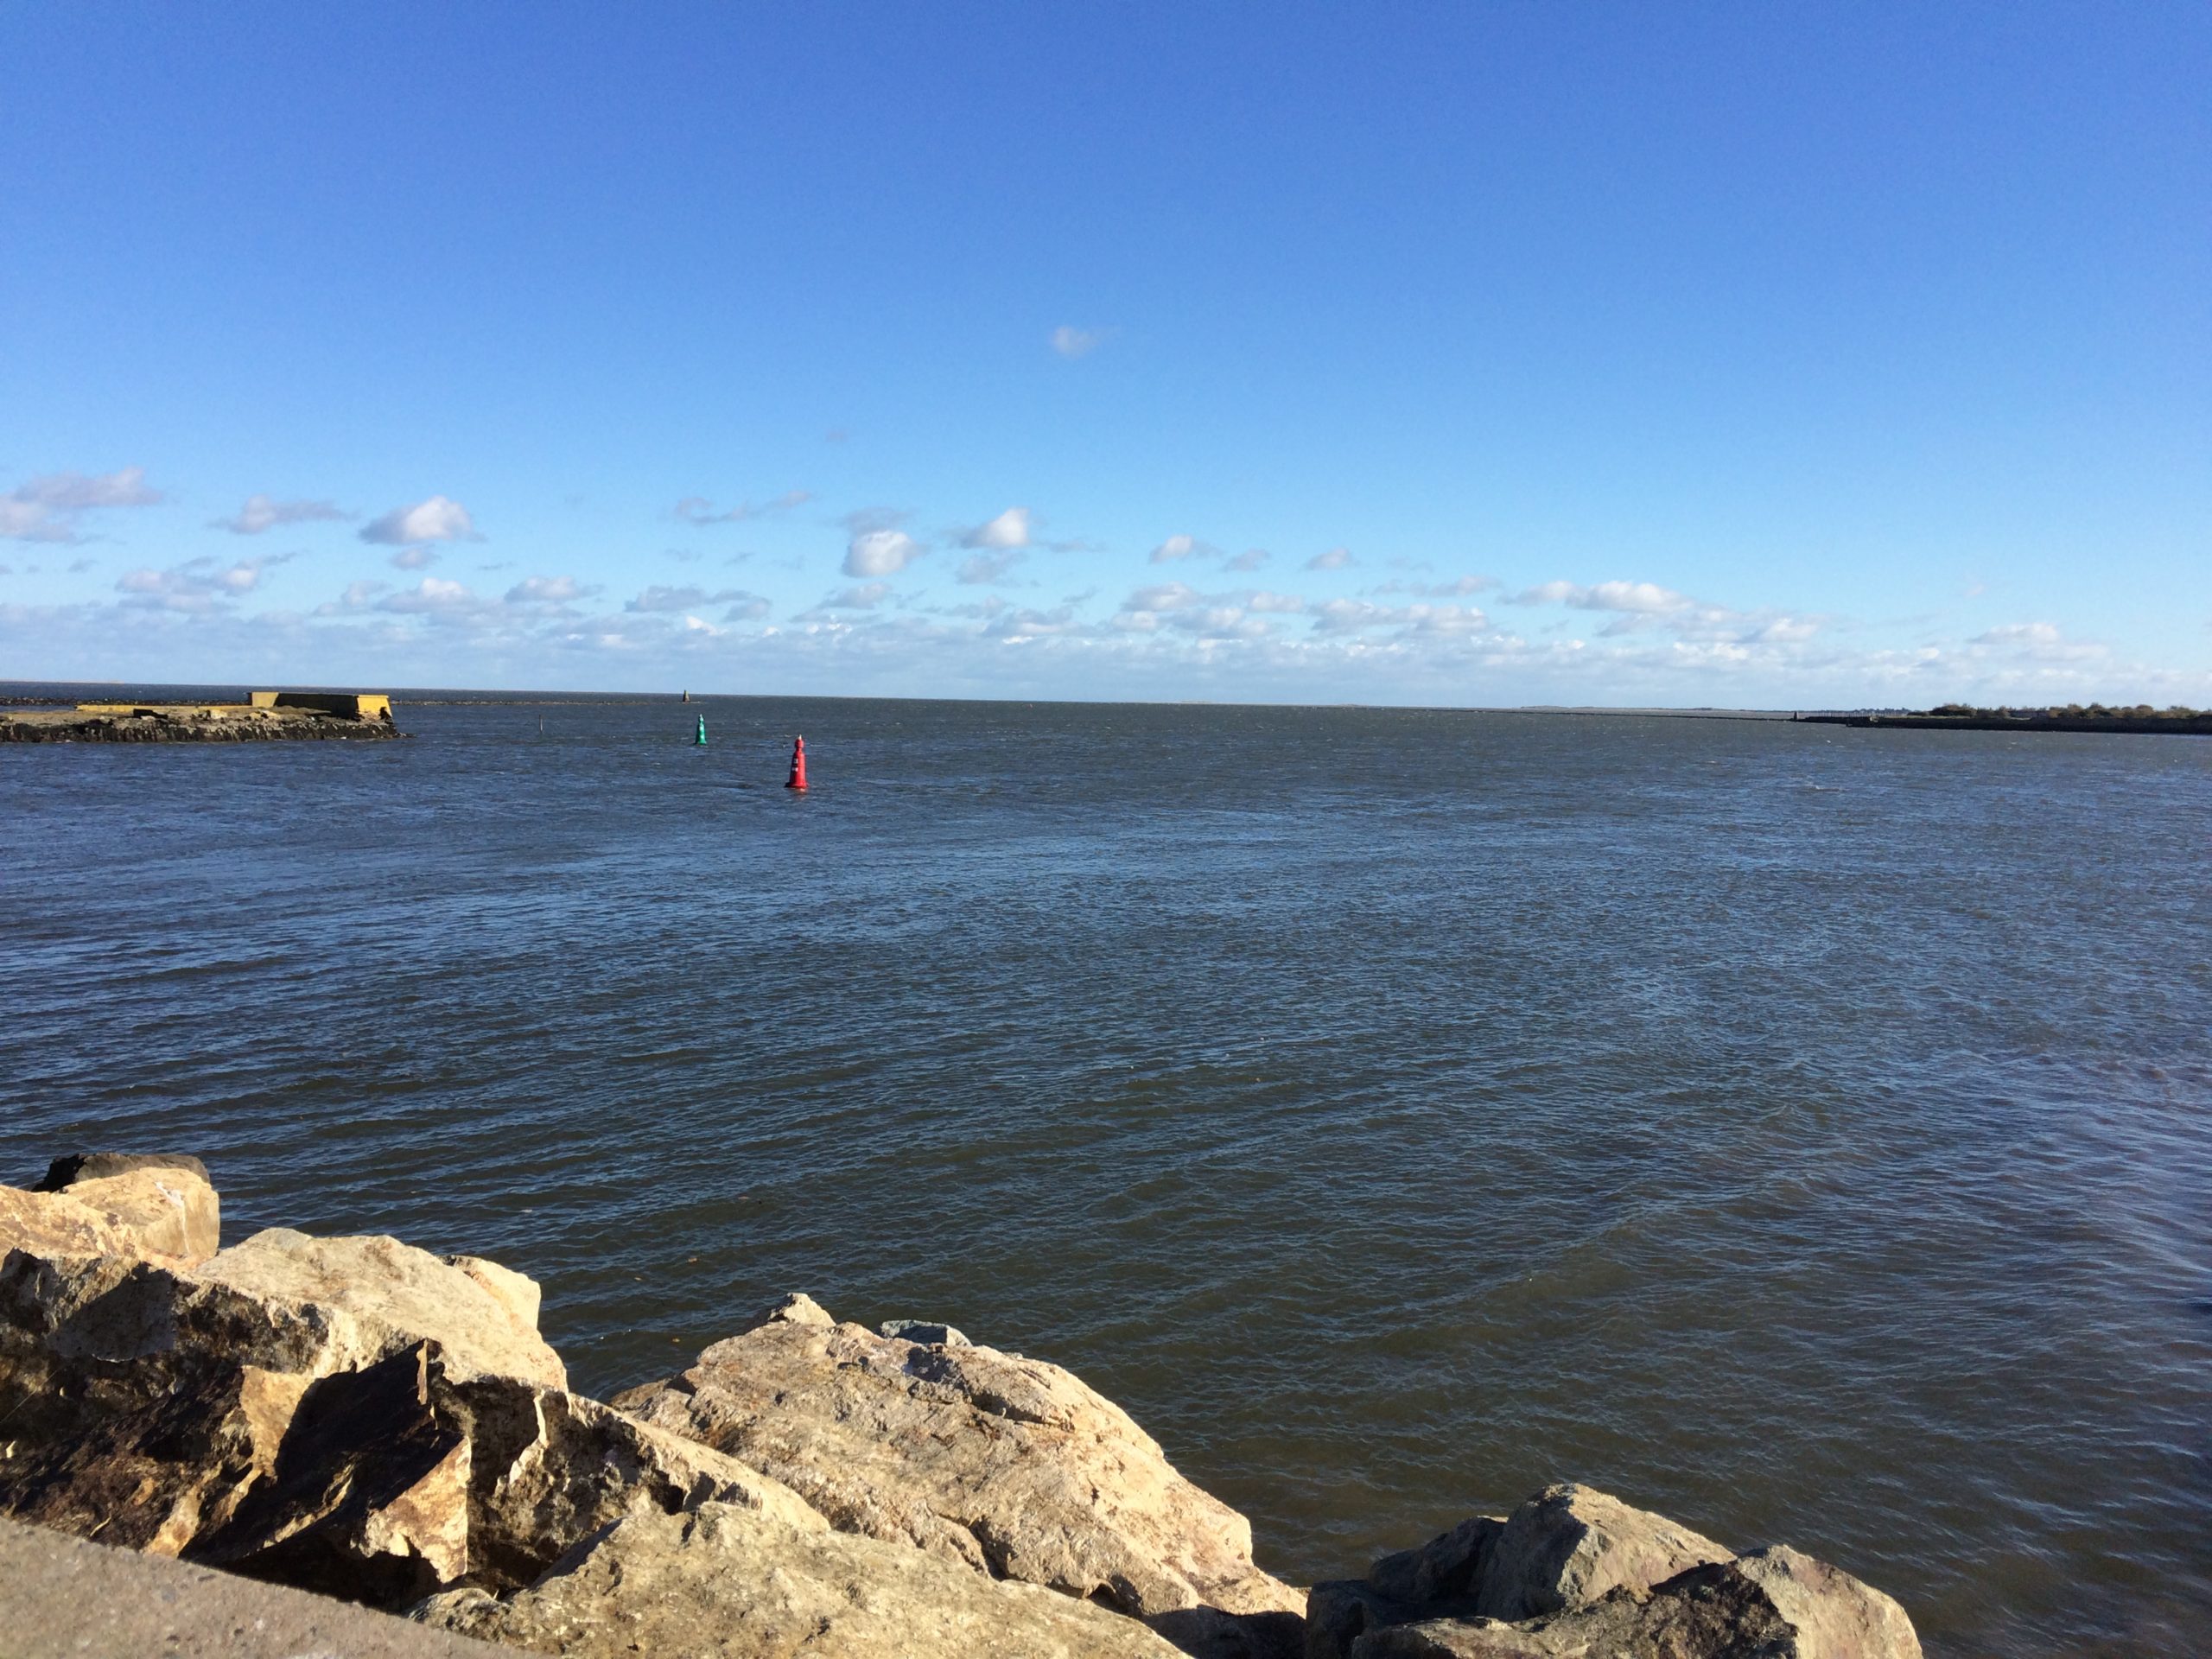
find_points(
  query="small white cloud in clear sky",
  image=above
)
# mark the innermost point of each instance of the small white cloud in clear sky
(989, 567)
(1335, 559)
(1250, 559)
(1180, 547)
(1010, 529)
(438, 519)
(415, 558)
(46, 508)
(1071, 341)
(266, 512)
(880, 553)
(866, 597)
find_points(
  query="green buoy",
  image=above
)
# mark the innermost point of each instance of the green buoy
(700, 741)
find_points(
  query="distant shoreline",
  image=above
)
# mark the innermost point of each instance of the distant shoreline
(2197, 725)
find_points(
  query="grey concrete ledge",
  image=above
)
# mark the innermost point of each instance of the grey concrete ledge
(61, 1597)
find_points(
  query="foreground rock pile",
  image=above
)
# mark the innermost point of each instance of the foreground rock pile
(359, 1418)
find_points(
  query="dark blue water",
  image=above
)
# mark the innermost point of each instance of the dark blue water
(1801, 1131)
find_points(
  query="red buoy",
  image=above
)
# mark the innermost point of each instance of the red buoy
(797, 780)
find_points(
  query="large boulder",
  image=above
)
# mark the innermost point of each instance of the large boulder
(313, 1443)
(401, 1479)
(55, 1223)
(483, 1317)
(1771, 1603)
(1571, 1544)
(1010, 1466)
(154, 1205)
(139, 1403)
(143, 1403)
(740, 1583)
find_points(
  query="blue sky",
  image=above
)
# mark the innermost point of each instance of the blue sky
(1766, 355)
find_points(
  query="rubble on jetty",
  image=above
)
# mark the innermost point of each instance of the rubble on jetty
(364, 1420)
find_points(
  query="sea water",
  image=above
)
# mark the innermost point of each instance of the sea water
(1799, 1131)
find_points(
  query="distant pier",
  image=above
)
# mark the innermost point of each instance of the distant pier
(267, 716)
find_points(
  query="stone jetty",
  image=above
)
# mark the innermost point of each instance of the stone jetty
(370, 1422)
(265, 715)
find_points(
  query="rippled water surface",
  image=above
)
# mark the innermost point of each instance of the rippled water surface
(1801, 1131)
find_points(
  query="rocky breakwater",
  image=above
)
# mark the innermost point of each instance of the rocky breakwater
(364, 1419)
(349, 717)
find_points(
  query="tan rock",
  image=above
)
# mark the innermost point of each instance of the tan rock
(517, 1293)
(1831, 1615)
(169, 1209)
(1771, 1604)
(481, 1316)
(1571, 1544)
(401, 1480)
(1009, 1466)
(142, 1403)
(111, 1203)
(736, 1584)
(55, 1223)
(136, 1404)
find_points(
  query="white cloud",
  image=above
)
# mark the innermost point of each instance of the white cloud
(1640, 597)
(76, 493)
(1335, 559)
(698, 509)
(438, 519)
(985, 567)
(866, 597)
(415, 558)
(1009, 530)
(433, 596)
(262, 513)
(548, 590)
(2038, 642)
(1177, 607)
(48, 507)
(880, 553)
(358, 596)
(1459, 587)
(194, 587)
(1163, 596)
(1349, 616)
(664, 599)
(1073, 342)
(1250, 559)
(1176, 547)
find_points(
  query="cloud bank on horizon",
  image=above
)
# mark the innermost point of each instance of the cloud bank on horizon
(899, 632)
(1473, 357)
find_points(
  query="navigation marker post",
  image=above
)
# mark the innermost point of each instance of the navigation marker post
(797, 780)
